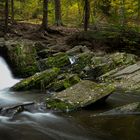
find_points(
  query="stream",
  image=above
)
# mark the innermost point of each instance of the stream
(40, 124)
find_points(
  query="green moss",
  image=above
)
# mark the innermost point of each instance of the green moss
(68, 81)
(59, 105)
(37, 81)
(123, 59)
(60, 60)
(102, 65)
(22, 55)
(83, 60)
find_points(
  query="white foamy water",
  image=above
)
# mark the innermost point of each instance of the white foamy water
(6, 78)
(72, 59)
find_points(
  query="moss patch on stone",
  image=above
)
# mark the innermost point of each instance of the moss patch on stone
(22, 55)
(61, 84)
(83, 60)
(37, 81)
(59, 60)
(57, 104)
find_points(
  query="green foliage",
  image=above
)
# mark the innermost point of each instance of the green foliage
(102, 11)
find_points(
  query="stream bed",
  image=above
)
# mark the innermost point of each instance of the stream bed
(86, 124)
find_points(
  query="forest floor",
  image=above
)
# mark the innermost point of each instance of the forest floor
(34, 32)
(108, 40)
(54, 35)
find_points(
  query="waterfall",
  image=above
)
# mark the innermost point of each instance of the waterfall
(6, 78)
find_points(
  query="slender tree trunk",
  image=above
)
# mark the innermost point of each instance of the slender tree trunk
(45, 14)
(1, 9)
(12, 11)
(122, 20)
(6, 15)
(138, 17)
(58, 18)
(93, 14)
(86, 15)
(79, 10)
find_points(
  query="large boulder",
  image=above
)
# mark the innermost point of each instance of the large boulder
(80, 95)
(21, 56)
(37, 81)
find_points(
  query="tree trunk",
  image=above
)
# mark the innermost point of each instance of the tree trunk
(122, 20)
(6, 15)
(12, 11)
(58, 18)
(86, 15)
(45, 15)
(138, 17)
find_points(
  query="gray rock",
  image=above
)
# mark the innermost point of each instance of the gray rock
(80, 95)
(77, 50)
(2, 42)
(127, 78)
(132, 108)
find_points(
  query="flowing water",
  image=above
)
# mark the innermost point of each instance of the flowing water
(38, 124)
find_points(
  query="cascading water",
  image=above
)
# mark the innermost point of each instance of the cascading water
(6, 78)
(72, 59)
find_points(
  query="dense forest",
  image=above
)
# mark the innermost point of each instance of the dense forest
(90, 13)
(69, 69)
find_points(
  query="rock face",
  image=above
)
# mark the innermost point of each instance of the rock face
(80, 95)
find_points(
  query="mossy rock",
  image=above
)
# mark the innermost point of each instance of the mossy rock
(80, 95)
(37, 81)
(67, 81)
(101, 65)
(77, 50)
(82, 60)
(126, 78)
(45, 53)
(59, 60)
(123, 58)
(22, 57)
